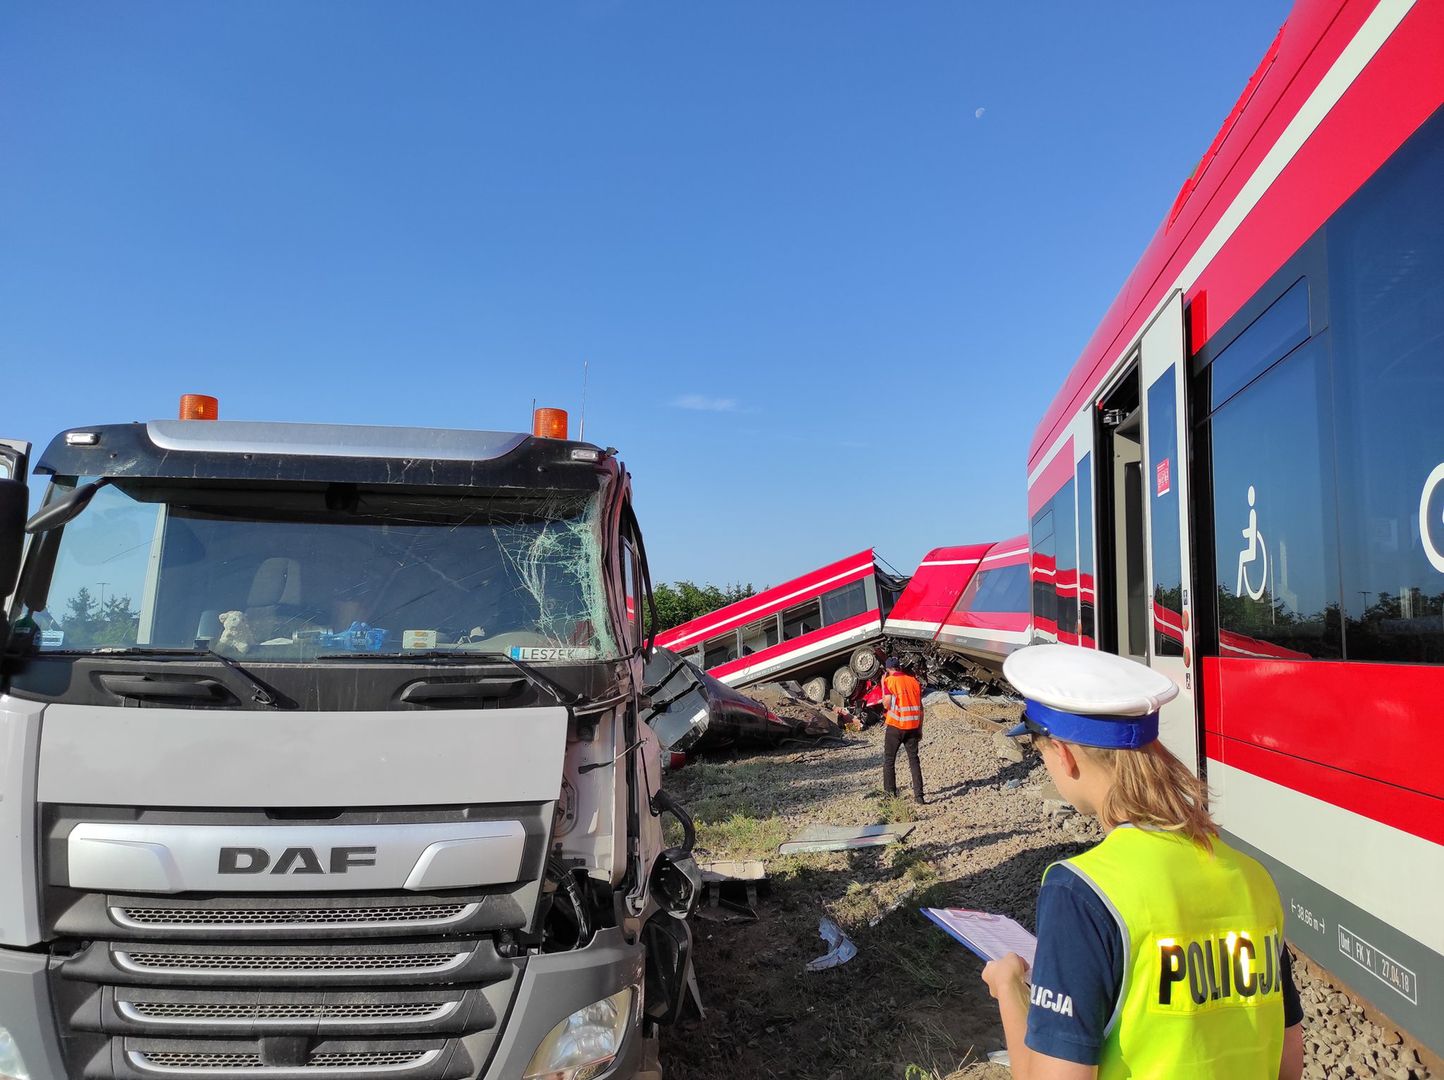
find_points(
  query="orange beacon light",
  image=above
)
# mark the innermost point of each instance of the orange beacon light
(199, 407)
(549, 423)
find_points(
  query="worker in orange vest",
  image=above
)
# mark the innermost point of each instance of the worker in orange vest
(902, 697)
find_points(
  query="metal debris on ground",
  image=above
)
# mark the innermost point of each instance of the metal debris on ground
(999, 1057)
(844, 837)
(730, 890)
(841, 949)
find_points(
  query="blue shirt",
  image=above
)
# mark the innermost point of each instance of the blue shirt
(1078, 976)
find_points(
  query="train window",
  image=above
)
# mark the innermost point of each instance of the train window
(1274, 334)
(1386, 308)
(1161, 481)
(844, 602)
(1085, 549)
(720, 650)
(1055, 567)
(1274, 513)
(1004, 590)
(1043, 571)
(803, 619)
(759, 635)
(1065, 583)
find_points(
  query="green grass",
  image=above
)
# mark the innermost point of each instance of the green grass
(737, 836)
(741, 836)
(896, 809)
(913, 867)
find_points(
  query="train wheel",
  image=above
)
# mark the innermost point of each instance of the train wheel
(844, 681)
(815, 690)
(864, 662)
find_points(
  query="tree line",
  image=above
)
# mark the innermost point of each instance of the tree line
(682, 601)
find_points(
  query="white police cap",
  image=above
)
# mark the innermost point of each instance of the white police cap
(1085, 696)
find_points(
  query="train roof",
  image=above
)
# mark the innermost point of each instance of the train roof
(799, 589)
(1013, 549)
(1314, 34)
(941, 556)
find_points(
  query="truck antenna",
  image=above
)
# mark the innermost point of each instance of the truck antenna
(582, 429)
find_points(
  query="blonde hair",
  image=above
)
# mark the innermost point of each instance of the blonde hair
(1154, 789)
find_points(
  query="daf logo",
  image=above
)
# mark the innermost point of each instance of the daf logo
(293, 860)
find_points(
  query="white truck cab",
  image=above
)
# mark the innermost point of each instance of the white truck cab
(320, 755)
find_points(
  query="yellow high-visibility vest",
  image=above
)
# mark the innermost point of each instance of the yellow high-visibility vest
(1202, 992)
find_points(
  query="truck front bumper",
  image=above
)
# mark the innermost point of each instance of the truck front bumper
(552, 988)
(556, 985)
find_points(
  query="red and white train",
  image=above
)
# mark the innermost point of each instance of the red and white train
(1242, 483)
(970, 604)
(805, 629)
(990, 619)
(933, 591)
(828, 628)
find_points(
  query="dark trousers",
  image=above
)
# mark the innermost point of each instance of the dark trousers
(911, 740)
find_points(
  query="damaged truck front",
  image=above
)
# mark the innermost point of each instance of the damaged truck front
(320, 754)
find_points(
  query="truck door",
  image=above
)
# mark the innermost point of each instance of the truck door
(1162, 363)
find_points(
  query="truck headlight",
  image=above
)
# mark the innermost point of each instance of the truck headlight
(585, 1044)
(11, 1066)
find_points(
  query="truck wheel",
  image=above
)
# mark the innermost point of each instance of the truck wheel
(864, 662)
(815, 690)
(844, 681)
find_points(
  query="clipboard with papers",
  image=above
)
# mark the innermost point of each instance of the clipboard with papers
(989, 936)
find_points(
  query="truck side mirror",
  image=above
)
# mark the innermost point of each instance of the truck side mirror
(14, 503)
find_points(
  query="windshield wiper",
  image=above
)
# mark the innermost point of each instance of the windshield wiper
(261, 694)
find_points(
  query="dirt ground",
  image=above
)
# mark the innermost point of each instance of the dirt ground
(910, 1004)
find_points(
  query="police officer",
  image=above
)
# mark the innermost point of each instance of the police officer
(902, 697)
(1160, 951)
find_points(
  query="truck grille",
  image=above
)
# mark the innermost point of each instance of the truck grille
(412, 916)
(164, 1060)
(281, 985)
(286, 962)
(180, 1061)
(242, 1012)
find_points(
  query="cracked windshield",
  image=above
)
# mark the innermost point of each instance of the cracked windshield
(277, 574)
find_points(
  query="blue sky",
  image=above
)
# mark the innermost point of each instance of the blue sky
(827, 261)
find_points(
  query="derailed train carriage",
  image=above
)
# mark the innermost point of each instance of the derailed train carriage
(820, 629)
(1241, 483)
(963, 612)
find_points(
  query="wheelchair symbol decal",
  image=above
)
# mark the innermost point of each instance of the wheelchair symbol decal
(1256, 551)
(1431, 549)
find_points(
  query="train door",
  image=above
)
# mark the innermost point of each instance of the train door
(1121, 590)
(1163, 370)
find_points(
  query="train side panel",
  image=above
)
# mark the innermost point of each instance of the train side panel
(1250, 463)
